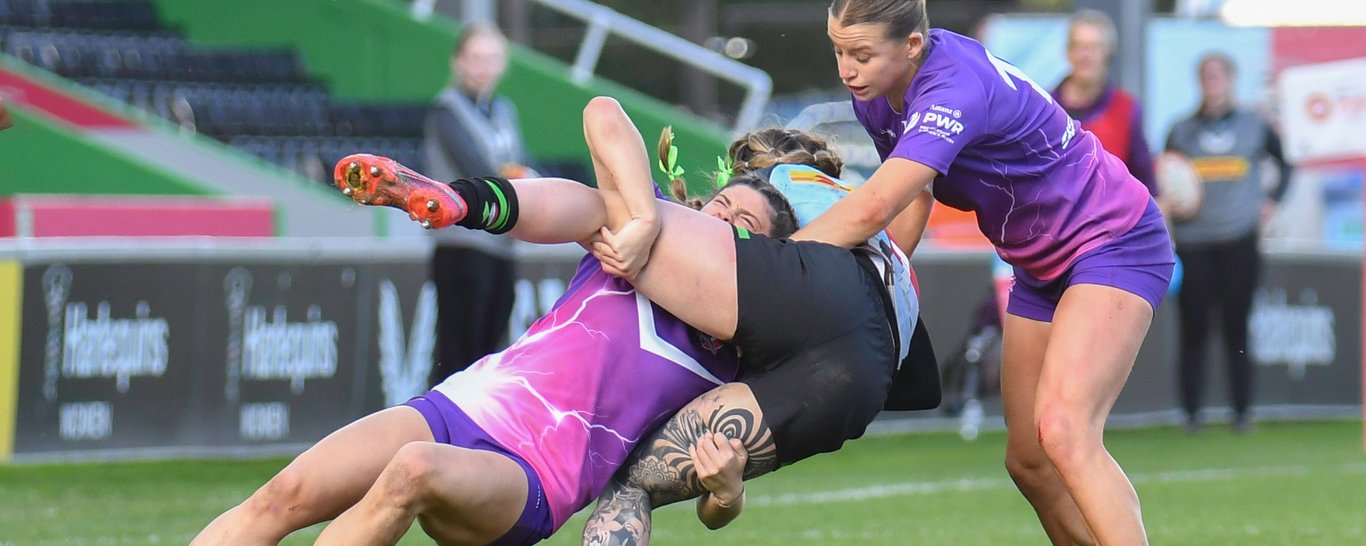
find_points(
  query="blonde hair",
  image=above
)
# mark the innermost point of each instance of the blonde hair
(778, 146)
(1098, 19)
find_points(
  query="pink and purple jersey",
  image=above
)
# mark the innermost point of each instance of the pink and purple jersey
(587, 381)
(1043, 189)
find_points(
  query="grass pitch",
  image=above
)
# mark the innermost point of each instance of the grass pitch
(1296, 484)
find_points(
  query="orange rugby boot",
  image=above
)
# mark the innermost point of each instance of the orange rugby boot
(380, 181)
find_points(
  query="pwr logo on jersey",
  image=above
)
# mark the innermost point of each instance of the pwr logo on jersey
(939, 121)
(944, 118)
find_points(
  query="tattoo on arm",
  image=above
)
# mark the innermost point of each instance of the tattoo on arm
(621, 518)
(660, 471)
(662, 466)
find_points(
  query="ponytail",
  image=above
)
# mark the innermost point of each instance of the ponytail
(668, 164)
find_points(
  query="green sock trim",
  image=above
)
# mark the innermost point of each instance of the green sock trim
(502, 208)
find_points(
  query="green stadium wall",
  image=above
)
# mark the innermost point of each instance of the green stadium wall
(373, 50)
(38, 155)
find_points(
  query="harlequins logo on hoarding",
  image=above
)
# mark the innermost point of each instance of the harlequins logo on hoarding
(403, 368)
(81, 346)
(1298, 334)
(263, 345)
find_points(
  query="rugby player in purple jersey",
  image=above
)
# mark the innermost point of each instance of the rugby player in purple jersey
(1091, 255)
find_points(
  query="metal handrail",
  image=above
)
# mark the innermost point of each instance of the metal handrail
(603, 22)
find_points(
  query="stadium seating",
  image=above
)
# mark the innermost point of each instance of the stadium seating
(262, 101)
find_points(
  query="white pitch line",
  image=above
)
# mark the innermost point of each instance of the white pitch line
(876, 492)
(979, 484)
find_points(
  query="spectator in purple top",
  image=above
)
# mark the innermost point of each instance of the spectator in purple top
(1107, 111)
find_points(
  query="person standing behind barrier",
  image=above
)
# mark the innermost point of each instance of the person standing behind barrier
(473, 132)
(1218, 241)
(1107, 111)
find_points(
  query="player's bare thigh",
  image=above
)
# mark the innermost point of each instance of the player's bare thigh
(320, 483)
(474, 496)
(337, 471)
(459, 495)
(1096, 334)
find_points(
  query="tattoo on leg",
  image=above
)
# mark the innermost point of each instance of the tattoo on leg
(621, 518)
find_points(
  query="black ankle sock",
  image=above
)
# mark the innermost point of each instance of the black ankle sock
(492, 202)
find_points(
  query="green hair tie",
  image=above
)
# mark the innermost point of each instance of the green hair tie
(670, 166)
(725, 168)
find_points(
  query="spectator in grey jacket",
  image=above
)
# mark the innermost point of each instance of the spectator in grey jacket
(1217, 243)
(473, 132)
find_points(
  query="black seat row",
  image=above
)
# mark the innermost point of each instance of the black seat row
(154, 56)
(387, 120)
(224, 111)
(99, 14)
(315, 157)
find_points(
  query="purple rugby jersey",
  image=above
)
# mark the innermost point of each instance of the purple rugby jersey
(1043, 189)
(586, 382)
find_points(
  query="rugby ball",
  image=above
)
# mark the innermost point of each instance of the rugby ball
(1180, 185)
